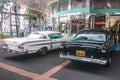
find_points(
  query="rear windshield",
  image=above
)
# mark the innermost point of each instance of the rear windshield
(91, 36)
(37, 36)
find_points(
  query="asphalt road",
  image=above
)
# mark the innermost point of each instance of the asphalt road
(51, 67)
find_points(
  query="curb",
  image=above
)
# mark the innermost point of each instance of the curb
(1, 40)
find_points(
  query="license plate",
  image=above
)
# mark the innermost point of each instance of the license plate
(80, 53)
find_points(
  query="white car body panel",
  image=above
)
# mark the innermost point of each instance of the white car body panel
(32, 45)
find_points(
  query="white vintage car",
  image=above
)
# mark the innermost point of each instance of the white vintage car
(39, 42)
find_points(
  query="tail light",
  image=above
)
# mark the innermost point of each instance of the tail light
(62, 45)
(5, 44)
(21, 47)
(103, 49)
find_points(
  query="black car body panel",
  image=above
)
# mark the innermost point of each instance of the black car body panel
(88, 49)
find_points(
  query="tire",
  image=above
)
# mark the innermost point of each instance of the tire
(42, 51)
(109, 61)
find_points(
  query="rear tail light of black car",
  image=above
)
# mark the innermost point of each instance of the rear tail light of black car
(62, 45)
(103, 49)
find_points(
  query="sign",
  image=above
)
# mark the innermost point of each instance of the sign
(100, 23)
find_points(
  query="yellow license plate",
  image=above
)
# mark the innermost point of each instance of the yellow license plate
(80, 53)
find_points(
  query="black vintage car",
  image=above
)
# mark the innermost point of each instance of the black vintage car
(89, 45)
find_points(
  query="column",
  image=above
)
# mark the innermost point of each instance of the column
(69, 18)
(87, 14)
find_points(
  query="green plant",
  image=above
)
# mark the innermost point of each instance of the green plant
(2, 35)
(34, 16)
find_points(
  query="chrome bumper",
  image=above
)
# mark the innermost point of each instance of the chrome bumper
(12, 50)
(91, 60)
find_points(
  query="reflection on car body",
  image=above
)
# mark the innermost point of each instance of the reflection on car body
(89, 45)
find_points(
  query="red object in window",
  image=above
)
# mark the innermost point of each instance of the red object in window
(82, 24)
(100, 23)
(118, 22)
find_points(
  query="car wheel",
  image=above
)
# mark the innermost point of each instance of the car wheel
(109, 61)
(42, 51)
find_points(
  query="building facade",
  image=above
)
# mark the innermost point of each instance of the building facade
(69, 16)
(10, 18)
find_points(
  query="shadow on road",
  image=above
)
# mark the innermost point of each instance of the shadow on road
(111, 71)
(25, 57)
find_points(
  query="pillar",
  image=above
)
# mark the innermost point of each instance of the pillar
(69, 18)
(87, 14)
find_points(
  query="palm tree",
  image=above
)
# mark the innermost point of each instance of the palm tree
(33, 17)
(16, 5)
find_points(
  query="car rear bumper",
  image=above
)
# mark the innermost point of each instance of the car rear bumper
(12, 50)
(91, 60)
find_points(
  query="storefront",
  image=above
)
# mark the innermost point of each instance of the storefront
(71, 24)
(115, 27)
(85, 14)
(69, 16)
(77, 23)
(64, 23)
(100, 21)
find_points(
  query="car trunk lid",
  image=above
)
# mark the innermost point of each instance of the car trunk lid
(84, 48)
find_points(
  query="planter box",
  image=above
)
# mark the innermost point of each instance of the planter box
(4, 37)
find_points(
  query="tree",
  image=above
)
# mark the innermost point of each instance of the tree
(16, 5)
(33, 17)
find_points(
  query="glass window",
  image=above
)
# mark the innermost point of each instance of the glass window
(78, 3)
(77, 23)
(113, 3)
(37, 35)
(56, 8)
(55, 36)
(63, 6)
(100, 4)
(91, 37)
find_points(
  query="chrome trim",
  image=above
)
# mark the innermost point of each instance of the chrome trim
(85, 59)
(18, 51)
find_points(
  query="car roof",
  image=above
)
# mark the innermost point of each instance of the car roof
(46, 32)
